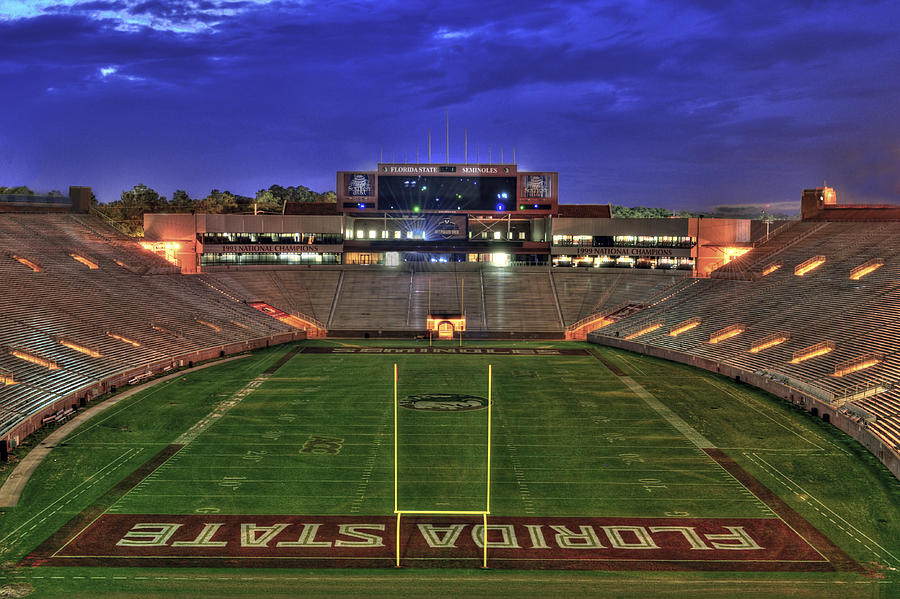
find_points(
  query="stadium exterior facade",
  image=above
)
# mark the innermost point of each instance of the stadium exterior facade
(448, 213)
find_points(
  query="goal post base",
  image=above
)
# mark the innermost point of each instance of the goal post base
(484, 529)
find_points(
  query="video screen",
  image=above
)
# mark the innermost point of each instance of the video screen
(446, 194)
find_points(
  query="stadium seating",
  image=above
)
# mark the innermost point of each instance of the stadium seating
(512, 300)
(585, 292)
(852, 319)
(109, 305)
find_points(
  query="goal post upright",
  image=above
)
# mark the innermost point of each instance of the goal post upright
(490, 408)
(396, 444)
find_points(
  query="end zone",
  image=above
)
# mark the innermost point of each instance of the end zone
(738, 544)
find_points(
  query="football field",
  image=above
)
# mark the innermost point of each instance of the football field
(584, 459)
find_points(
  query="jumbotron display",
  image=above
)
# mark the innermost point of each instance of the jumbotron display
(426, 193)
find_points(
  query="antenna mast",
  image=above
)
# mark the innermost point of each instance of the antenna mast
(448, 135)
(466, 146)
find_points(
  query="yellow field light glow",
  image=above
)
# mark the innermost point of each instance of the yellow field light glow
(301, 323)
(810, 265)
(6, 378)
(813, 351)
(687, 325)
(165, 249)
(858, 364)
(34, 358)
(164, 330)
(730, 253)
(580, 329)
(158, 246)
(500, 259)
(80, 348)
(239, 324)
(599, 323)
(122, 338)
(210, 325)
(89, 263)
(864, 269)
(32, 265)
(644, 331)
(770, 341)
(772, 268)
(727, 333)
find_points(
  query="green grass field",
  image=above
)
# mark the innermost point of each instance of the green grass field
(570, 439)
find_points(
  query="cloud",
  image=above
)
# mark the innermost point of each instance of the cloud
(691, 104)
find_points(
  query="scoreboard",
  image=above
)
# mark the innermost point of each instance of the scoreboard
(427, 193)
(446, 189)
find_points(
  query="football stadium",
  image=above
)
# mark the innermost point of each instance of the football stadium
(449, 383)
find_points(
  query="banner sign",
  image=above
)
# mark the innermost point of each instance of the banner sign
(620, 251)
(466, 170)
(270, 248)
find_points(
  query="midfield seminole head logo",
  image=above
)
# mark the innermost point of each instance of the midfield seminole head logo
(443, 402)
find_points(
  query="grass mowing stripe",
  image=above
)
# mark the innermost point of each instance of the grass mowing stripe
(743, 400)
(671, 417)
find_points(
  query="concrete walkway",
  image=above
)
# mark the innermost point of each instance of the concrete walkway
(14, 485)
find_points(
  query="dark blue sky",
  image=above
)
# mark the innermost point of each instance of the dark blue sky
(686, 104)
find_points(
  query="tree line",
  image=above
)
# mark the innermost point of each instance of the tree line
(750, 211)
(130, 208)
(644, 212)
(24, 190)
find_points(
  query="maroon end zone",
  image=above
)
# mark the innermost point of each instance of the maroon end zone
(746, 544)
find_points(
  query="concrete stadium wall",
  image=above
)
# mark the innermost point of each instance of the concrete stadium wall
(888, 456)
(144, 371)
